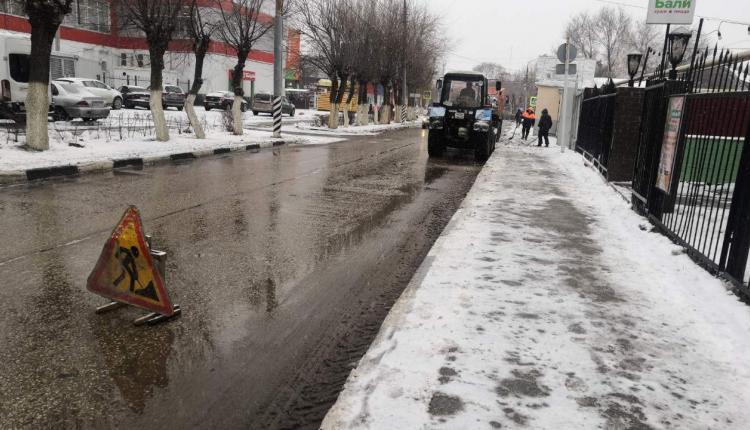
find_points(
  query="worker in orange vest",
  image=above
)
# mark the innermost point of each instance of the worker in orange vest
(529, 119)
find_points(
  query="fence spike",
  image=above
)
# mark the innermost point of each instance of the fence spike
(735, 75)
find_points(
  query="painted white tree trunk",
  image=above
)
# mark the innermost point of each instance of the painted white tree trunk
(362, 115)
(386, 117)
(193, 118)
(346, 114)
(397, 115)
(333, 116)
(157, 111)
(376, 115)
(37, 107)
(237, 115)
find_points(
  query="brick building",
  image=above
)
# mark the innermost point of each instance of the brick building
(90, 45)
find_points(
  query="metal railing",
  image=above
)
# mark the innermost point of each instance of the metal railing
(595, 127)
(692, 170)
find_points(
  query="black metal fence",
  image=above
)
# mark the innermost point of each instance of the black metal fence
(692, 170)
(596, 125)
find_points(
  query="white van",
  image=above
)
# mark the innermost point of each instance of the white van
(14, 74)
(15, 50)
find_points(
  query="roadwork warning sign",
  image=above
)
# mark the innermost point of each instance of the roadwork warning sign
(125, 271)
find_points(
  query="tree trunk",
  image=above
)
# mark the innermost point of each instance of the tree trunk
(43, 31)
(238, 93)
(362, 107)
(237, 115)
(397, 102)
(193, 117)
(200, 55)
(156, 51)
(386, 117)
(349, 97)
(333, 116)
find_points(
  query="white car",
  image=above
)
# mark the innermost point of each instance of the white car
(73, 101)
(111, 96)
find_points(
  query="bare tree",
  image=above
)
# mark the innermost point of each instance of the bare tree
(613, 26)
(642, 36)
(200, 30)
(45, 17)
(490, 70)
(321, 23)
(364, 65)
(352, 42)
(241, 28)
(582, 32)
(159, 20)
(425, 48)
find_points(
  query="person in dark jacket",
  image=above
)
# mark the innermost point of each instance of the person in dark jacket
(545, 123)
(518, 116)
(529, 119)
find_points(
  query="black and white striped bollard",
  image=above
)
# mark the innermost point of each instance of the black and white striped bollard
(277, 117)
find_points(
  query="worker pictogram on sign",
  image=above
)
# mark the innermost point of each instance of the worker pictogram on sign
(126, 272)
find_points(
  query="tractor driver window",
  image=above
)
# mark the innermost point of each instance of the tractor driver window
(466, 94)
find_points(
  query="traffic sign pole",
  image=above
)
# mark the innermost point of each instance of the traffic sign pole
(564, 111)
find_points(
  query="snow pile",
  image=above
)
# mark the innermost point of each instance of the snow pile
(544, 305)
(364, 130)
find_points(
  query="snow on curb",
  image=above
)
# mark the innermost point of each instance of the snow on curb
(56, 170)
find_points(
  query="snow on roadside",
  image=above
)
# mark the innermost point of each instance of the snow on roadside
(129, 134)
(15, 159)
(365, 130)
(543, 305)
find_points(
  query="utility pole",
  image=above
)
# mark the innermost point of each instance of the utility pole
(278, 68)
(563, 120)
(404, 94)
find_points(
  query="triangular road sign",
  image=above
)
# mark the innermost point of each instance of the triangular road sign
(125, 271)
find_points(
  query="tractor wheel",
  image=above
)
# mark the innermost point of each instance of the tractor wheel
(435, 145)
(482, 150)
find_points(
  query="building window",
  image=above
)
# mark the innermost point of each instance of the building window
(89, 15)
(123, 59)
(61, 67)
(86, 14)
(12, 7)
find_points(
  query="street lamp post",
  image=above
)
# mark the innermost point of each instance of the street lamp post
(678, 42)
(634, 62)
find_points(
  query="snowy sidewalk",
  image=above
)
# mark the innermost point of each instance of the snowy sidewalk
(544, 305)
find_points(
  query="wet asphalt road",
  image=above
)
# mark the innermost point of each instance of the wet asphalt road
(284, 261)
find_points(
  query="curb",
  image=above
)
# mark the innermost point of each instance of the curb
(30, 175)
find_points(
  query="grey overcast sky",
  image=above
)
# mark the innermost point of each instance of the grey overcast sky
(513, 33)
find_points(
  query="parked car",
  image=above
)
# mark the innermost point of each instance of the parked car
(133, 96)
(111, 96)
(173, 97)
(263, 103)
(221, 100)
(74, 101)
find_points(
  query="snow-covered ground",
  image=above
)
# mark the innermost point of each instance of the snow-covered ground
(365, 130)
(129, 133)
(545, 305)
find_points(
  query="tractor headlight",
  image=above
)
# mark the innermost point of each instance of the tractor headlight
(482, 126)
